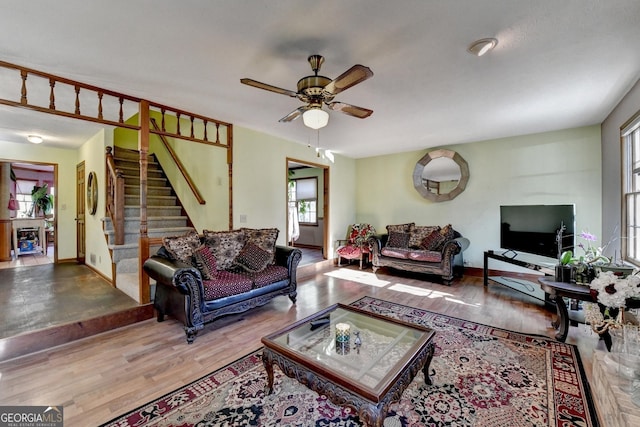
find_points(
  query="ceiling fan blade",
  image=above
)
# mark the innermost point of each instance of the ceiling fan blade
(294, 114)
(351, 77)
(352, 110)
(270, 88)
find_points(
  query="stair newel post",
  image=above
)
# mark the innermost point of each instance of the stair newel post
(143, 146)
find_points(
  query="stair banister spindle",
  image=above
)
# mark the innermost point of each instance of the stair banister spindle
(23, 90)
(178, 124)
(100, 105)
(52, 95)
(218, 133)
(121, 113)
(205, 130)
(192, 134)
(77, 99)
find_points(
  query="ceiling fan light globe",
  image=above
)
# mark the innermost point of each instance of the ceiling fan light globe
(315, 118)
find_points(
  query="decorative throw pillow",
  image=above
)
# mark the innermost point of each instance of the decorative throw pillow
(253, 258)
(398, 240)
(448, 233)
(400, 228)
(264, 238)
(205, 261)
(433, 240)
(225, 245)
(182, 247)
(418, 233)
(360, 233)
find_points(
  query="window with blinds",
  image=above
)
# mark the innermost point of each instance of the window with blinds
(304, 193)
(631, 191)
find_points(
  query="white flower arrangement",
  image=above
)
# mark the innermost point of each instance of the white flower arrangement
(613, 291)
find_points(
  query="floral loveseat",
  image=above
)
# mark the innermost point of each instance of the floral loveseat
(200, 278)
(420, 249)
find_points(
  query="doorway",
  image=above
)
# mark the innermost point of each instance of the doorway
(308, 208)
(34, 221)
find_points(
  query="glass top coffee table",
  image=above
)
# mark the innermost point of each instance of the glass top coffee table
(354, 357)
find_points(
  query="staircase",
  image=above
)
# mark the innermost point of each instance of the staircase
(164, 218)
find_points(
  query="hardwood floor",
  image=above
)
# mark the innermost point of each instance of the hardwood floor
(100, 377)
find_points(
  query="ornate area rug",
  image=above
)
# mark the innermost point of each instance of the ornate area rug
(482, 376)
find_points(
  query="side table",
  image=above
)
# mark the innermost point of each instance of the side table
(558, 291)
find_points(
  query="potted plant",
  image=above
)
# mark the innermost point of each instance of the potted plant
(42, 200)
(565, 267)
(594, 256)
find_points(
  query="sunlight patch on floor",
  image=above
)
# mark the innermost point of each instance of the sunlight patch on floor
(414, 290)
(463, 302)
(429, 293)
(358, 276)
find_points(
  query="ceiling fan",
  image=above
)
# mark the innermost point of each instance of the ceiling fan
(317, 90)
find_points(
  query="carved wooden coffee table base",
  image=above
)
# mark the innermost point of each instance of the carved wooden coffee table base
(370, 413)
(370, 403)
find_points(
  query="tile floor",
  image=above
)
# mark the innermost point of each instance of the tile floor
(29, 260)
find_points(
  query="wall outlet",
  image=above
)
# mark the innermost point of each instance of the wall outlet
(92, 259)
(243, 218)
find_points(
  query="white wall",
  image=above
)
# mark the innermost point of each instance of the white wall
(611, 163)
(260, 183)
(561, 167)
(92, 153)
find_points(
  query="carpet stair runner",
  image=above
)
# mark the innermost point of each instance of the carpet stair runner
(164, 217)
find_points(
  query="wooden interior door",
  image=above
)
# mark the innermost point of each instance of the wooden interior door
(80, 212)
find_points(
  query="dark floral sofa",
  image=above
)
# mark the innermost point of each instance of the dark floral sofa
(201, 278)
(420, 249)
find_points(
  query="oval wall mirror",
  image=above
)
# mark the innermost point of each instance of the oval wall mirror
(440, 175)
(92, 193)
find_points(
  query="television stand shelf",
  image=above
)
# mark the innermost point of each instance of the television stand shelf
(538, 263)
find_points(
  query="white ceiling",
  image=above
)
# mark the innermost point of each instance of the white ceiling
(558, 64)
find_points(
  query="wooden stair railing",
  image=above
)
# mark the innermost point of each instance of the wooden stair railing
(115, 197)
(67, 99)
(179, 164)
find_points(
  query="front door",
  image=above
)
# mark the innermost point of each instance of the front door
(80, 207)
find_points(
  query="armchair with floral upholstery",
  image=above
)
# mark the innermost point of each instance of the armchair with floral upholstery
(356, 245)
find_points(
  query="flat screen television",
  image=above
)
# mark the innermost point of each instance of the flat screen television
(533, 228)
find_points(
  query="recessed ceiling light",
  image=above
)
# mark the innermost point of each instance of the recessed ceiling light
(34, 139)
(482, 46)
